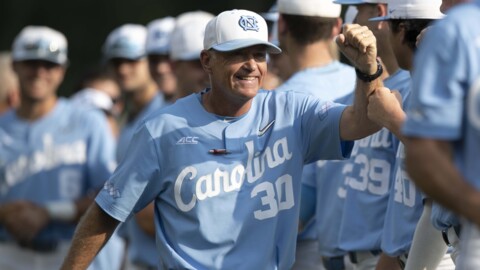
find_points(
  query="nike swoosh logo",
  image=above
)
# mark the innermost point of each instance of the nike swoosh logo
(262, 131)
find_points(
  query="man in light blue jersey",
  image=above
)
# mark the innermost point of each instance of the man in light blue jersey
(159, 34)
(442, 122)
(54, 157)
(186, 45)
(125, 52)
(306, 30)
(406, 18)
(365, 179)
(223, 166)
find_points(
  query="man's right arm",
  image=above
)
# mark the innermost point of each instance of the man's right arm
(93, 231)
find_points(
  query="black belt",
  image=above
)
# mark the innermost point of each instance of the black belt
(334, 263)
(354, 257)
(457, 230)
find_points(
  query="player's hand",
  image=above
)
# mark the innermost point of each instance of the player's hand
(359, 45)
(29, 219)
(385, 107)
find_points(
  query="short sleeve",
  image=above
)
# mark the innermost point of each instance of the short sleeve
(321, 131)
(136, 181)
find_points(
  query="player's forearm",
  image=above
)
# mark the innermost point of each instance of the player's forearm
(355, 123)
(395, 125)
(93, 231)
(430, 165)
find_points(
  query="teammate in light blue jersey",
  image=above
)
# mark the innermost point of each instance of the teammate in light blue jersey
(443, 118)
(223, 166)
(405, 205)
(306, 31)
(157, 48)
(125, 52)
(55, 157)
(367, 175)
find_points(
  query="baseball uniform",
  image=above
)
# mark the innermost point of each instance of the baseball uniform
(226, 190)
(369, 176)
(142, 248)
(61, 157)
(325, 82)
(446, 100)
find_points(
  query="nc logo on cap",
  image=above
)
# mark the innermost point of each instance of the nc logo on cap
(51, 47)
(249, 23)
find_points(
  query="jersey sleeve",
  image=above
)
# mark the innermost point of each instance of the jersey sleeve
(321, 131)
(135, 182)
(436, 105)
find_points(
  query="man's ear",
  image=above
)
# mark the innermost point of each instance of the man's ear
(206, 60)
(337, 27)
(382, 11)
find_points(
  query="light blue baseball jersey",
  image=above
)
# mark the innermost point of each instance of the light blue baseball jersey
(331, 192)
(226, 191)
(141, 246)
(60, 157)
(369, 176)
(445, 102)
(405, 206)
(327, 82)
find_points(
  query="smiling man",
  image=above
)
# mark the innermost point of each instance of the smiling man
(223, 166)
(54, 156)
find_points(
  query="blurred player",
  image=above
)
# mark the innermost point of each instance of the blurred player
(56, 157)
(367, 176)
(407, 19)
(125, 53)
(158, 49)
(186, 45)
(306, 30)
(443, 121)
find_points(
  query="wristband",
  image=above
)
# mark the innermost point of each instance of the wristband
(61, 211)
(368, 78)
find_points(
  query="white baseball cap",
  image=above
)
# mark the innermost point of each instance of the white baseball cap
(359, 2)
(412, 9)
(158, 35)
(317, 8)
(127, 41)
(40, 43)
(93, 98)
(236, 29)
(187, 37)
